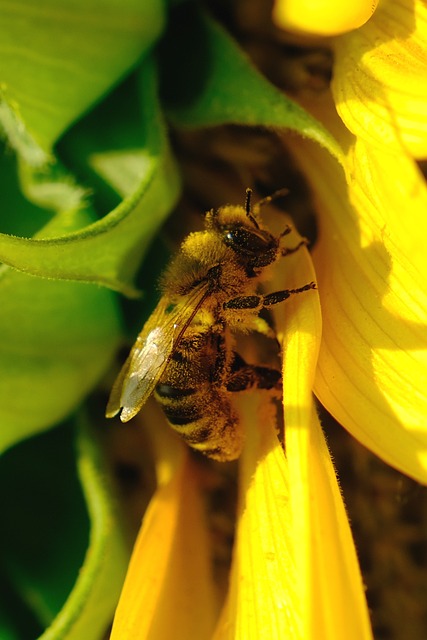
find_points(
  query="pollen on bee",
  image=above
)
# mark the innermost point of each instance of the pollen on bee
(187, 353)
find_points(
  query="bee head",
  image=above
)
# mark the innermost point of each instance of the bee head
(254, 245)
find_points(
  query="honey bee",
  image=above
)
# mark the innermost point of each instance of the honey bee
(185, 353)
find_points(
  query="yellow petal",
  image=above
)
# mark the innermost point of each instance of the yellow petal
(262, 600)
(276, 590)
(380, 77)
(168, 592)
(335, 598)
(323, 17)
(372, 270)
(329, 582)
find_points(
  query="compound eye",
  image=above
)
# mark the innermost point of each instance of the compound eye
(247, 242)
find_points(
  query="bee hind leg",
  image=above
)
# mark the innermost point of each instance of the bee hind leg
(245, 376)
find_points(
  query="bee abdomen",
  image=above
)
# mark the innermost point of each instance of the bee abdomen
(203, 418)
(168, 391)
(180, 414)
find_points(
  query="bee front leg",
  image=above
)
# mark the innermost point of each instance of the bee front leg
(286, 251)
(256, 303)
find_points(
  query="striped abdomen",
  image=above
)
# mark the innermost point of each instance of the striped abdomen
(194, 403)
(203, 418)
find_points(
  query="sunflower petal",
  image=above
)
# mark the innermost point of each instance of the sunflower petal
(379, 77)
(168, 592)
(370, 259)
(329, 581)
(324, 17)
(287, 503)
(262, 600)
(335, 605)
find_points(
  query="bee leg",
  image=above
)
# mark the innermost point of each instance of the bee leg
(247, 376)
(286, 251)
(262, 302)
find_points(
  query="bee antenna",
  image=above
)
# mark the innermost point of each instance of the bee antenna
(248, 201)
(277, 194)
(248, 207)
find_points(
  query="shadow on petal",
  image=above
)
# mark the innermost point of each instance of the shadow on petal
(372, 369)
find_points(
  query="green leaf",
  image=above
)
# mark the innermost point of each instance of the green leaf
(45, 524)
(91, 604)
(58, 57)
(108, 251)
(62, 543)
(16, 621)
(56, 338)
(208, 81)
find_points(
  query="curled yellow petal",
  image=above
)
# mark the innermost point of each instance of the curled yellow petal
(380, 72)
(324, 17)
(168, 591)
(287, 503)
(329, 583)
(262, 600)
(372, 270)
(336, 600)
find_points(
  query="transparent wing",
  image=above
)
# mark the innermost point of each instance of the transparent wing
(152, 351)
